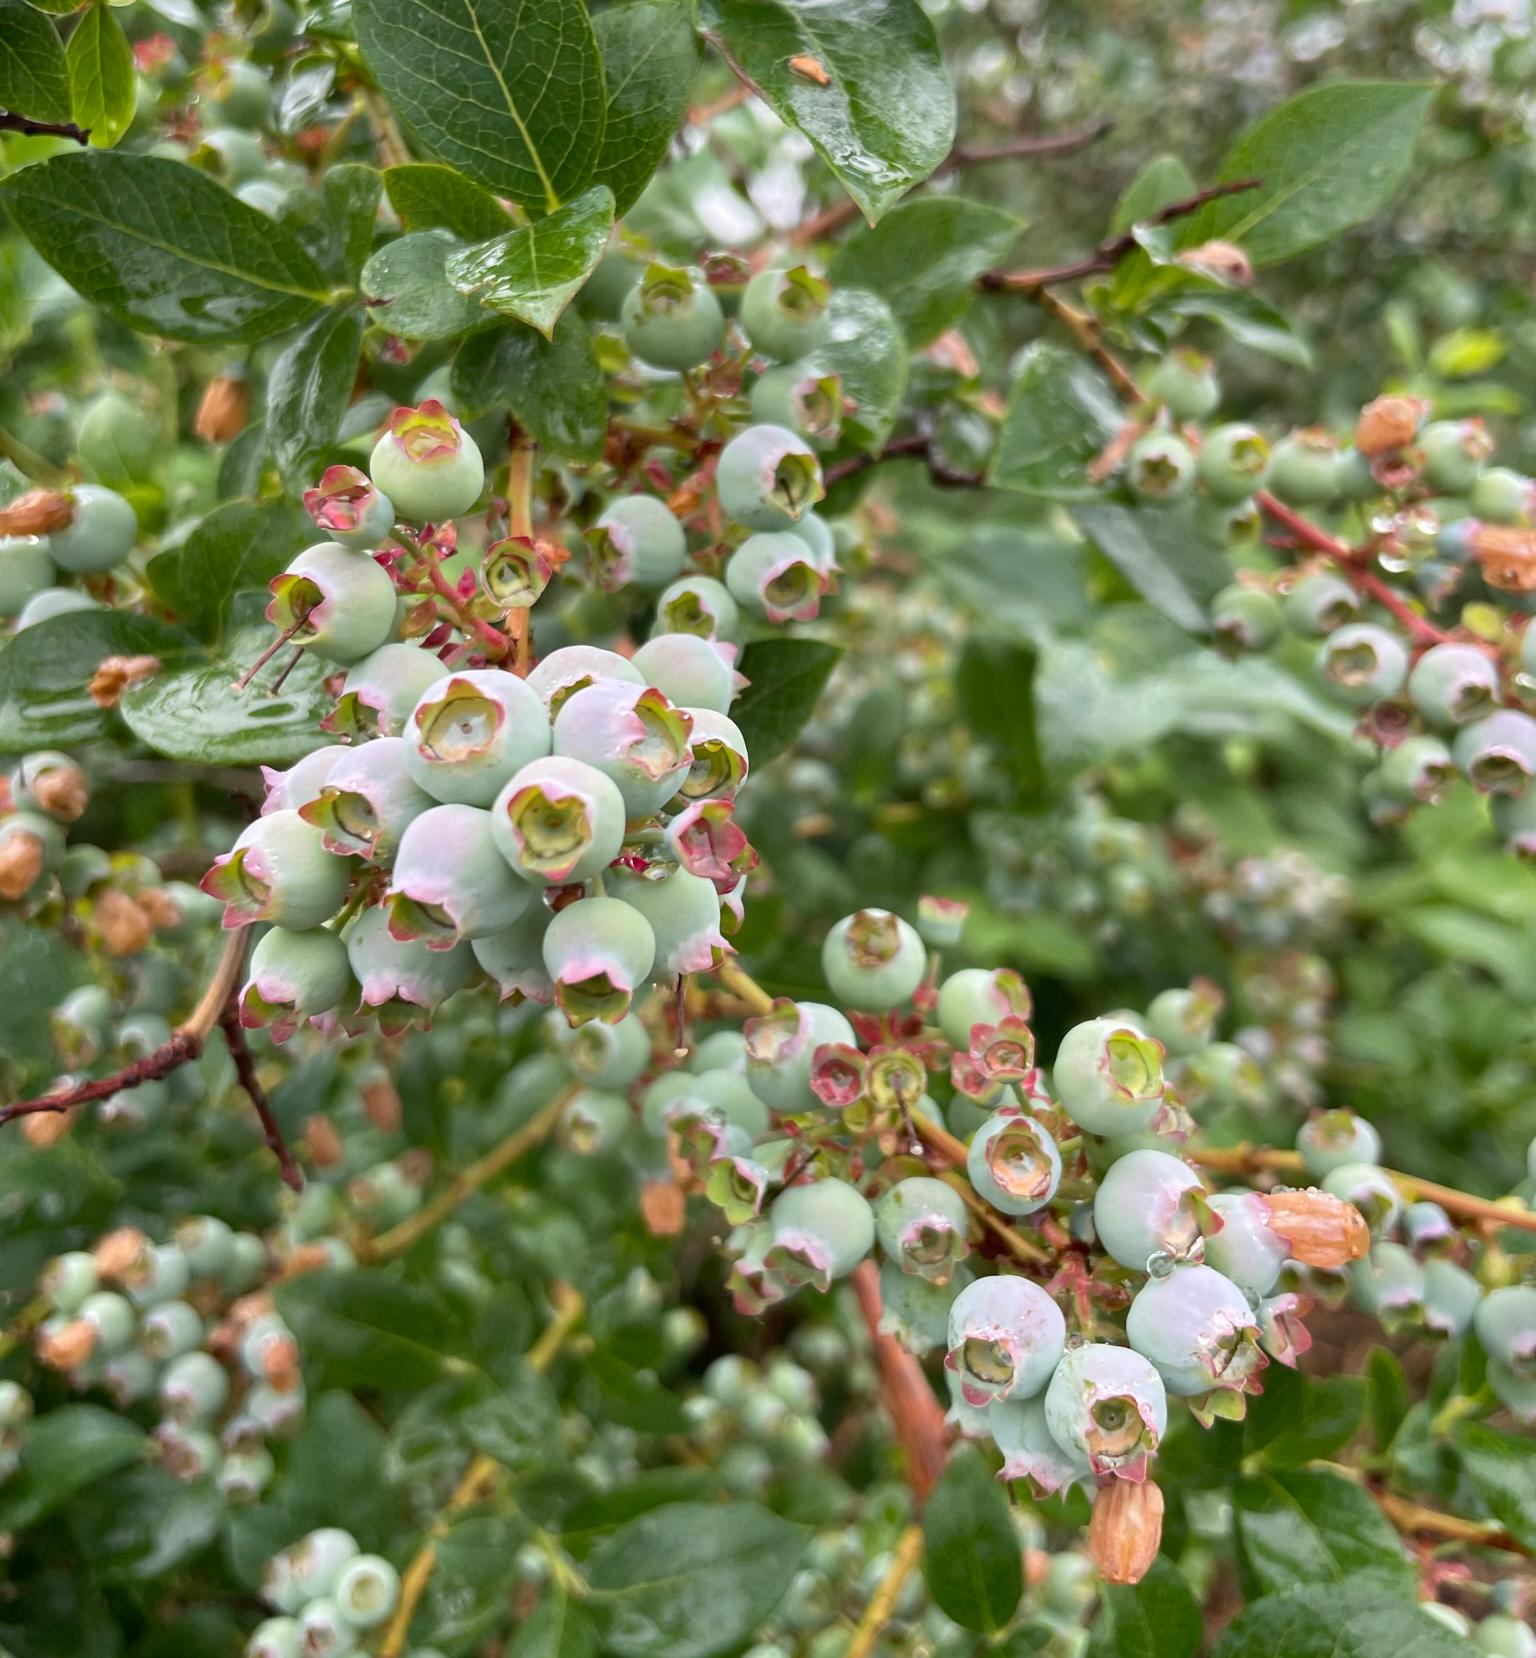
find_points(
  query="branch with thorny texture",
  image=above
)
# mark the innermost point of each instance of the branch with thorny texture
(1109, 253)
(569, 1310)
(185, 1044)
(11, 121)
(245, 1072)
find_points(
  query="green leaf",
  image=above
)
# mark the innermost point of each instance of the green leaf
(1503, 1468)
(469, 1594)
(1164, 180)
(691, 1579)
(193, 712)
(34, 76)
(1061, 414)
(365, 1329)
(429, 196)
(994, 682)
(513, 1417)
(885, 117)
(786, 678)
(59, 1611)
(164, 248)
(1354, 1619)
(335, 224)
(1156, 1618)
(308, 388)
(1084, 714)
(1388, 1396)
(1326, 159)
(534, 273)
(511, 94)
(1161, 552)
(143, 1522)
(650, 55)
(102, 79)
(634, 1397)
(924, 257)
(45, 674)
(1308, 1526)
(971, 1554)
(407, 287)
(1247, 317)
(554, 387)
(558, 1628)
(865, 350)
(62, 1452)
(38, 968)
(238, 547)
(1299, 1418)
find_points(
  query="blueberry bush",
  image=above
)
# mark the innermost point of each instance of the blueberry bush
(767, 829)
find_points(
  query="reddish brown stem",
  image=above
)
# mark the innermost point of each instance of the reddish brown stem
(245, 1072)
(915, 1413)
(10, 121)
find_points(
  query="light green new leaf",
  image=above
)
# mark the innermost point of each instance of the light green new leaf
(1061, 413)
(534, 273)
(511, 94)
(102, 79)
(650, 55)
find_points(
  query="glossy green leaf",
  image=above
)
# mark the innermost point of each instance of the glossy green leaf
(557, 1628)
(237, 547)
(1353, 1619)
(650, 55)
(164, 248)
(365, 1329)
(1061, 414)
(1156, 1618)
(1164, 180)
(1243, 315)
(553, 386)
(45, 674)
(1388, 1396)
(308, 388)
(994, 681)
(864, 348)
(786, 678)
(193, 712)
(878, 106)
(468, 1595)
(511, 94)
(408, 291)
(102, 78)
(971, 1555)
(513, 1417)
(34, 76)
(534, 273)
(1162, 554)
(142, 1522)
(1299, 1417)
(1327, 159)
(923, 259)
(428, 196)
(1309, 1526)
(335, 224)
(1503, 1468)
(61, 1453)
(691, 1579)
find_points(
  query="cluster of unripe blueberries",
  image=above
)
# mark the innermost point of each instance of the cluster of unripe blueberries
(331, 1600)
(1430, 512)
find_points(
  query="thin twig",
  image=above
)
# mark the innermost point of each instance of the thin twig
(908, 1551)
(245, 1071)
(921, 445)
(10, 121)
(185, 1044)
(1486, 1534)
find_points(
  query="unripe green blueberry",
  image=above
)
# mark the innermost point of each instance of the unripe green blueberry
(820, 1232)
(1109, 1076)
(1107, 1404)
(683, 913)
(980, 996)
(690, 672)
(68, 1280)
(572, 668)
(293, 976)
(800, 398)
(606, 1056)
(596, 1119)
(301, 782)
(696, 604)
(49, 602)
(916, 1310)
(1148, 1204)
(1304, 467)
(115, 440)
(768, 478)
(367, 1591)
(339, 604)
(427, 464)
(367, 800)
(81, 1024)
(1233, 461)
(450, 882)
(1184, 1019)
(1388, 1284)
(1502, 1635)
(1451, 1297)
(671, 317)
(112, 1318)
(100, 534)
(239, 157)
(1501, 496)
(1419, 768)
(784, 312)
(1246, 618)
(1357, 479)
(1160, 467)
(1198, 1329)
(380, 693)
(406, 981)
(873, 961)
(247, 1262)
(1505, 1323)
(1452, 684)
(1006, 1338)
(1363, 663)
(1013, 1162)
(275, 1638)
(1371, 1191)
(597, 952)
(307, 1570)
(170, 1329)
(777, 575)
(719, 763)
(558, 820)
(25, 571)
(279, 871)
(514, 958)
(273, 1414)
(632, 734)
(781, 1047)
(1454, 452)
(350, 508)
(1514, 818)
(324, 1632)
(1245, 1249)
(1185, 381)
(1334, 1139)
(471, 731)
(1497, 754)
(239, 91)
(638, 542)
(194, 1388)
(1319, 603)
